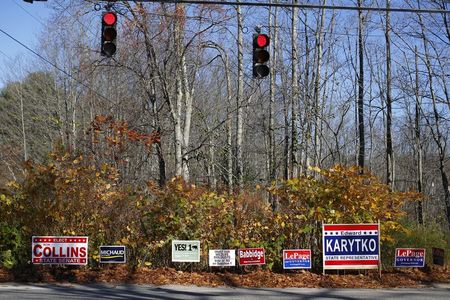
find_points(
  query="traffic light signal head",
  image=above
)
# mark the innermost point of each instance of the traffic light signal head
(260, 55)
(109, 34)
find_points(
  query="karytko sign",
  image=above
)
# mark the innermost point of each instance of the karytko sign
(351, 246)
(59, 250)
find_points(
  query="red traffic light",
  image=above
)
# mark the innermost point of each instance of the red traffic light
(109, 18)
(261, 40)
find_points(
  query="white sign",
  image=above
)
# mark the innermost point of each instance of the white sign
(222, 258)
(59, 250)
(185, 251)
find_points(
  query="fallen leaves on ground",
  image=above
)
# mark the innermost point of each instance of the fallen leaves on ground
(239, 278)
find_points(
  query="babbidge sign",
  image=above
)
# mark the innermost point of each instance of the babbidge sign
(113, 254)
(351, 246)
(297, 259)
(222, 258)
(59, 250)
(251, 256)
(409, 257)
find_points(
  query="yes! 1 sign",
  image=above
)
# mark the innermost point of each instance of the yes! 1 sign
(61, 250)
(351, 246)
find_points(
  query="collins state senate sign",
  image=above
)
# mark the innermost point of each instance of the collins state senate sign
(351, 246)
(59, 250)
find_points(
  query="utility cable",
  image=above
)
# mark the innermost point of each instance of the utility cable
(302, 6)
(53, 65)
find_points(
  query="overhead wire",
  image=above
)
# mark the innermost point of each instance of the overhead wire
(53, 65)
(298, 5)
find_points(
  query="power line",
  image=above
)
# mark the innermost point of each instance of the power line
(53, 65)
(27, 12)
(302, 6)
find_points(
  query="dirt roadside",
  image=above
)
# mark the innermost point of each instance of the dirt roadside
(255, 278)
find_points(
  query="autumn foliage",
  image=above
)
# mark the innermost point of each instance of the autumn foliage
(72, 195)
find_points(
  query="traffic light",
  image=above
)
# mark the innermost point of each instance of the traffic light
(31, 1)
(109, 34)
(260, 55)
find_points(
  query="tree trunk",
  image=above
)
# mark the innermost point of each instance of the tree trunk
(436, 131)
(317, 80)
(240, 101)
(273, 24)
(294, 96)
(389, 151)
(418, 142)
(361, 152)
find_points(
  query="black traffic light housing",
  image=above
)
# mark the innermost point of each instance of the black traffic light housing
(260, 55)
(109, 34)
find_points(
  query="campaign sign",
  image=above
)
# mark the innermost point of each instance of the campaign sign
(409, 257)
(297, 259)
(351, 246)
(185, 251)
(113, 254)
(222, 258)
(438, 256)
(59, 250)
(251, 256)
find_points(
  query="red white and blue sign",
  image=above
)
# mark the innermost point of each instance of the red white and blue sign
(410, 257)
(297, 259)
(351, 246)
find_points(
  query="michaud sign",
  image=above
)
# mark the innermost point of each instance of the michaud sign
(112, 254)
(59, 250)
(351, 246)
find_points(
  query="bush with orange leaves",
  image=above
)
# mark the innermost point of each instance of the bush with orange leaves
(70, 195)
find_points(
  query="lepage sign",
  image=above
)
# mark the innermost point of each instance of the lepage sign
(409, 257)
(251, 256)
(297, 259)
(351, 246)
(66, 250)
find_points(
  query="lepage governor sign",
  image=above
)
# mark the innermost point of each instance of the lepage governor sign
(409, 257)
(66, 250)
(351, 246)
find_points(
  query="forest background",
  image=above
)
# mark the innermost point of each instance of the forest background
(172, 138)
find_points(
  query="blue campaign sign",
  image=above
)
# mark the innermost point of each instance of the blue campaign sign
(113, 254)
(410, 257)
(297, 259)
(351, 246)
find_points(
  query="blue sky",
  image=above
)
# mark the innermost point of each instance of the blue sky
(24, 21)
